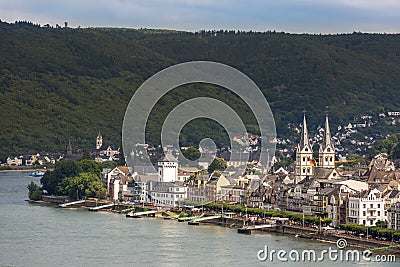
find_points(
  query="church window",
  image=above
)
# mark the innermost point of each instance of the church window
(329, 150)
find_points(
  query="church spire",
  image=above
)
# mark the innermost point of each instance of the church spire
(69, 148)
(304, 134)
(304, 155)
(327, 135)
(327, 150)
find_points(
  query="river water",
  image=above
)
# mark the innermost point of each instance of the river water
(35, 235)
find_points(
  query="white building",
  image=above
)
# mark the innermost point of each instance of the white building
(167, 194)
(168, 169)
(99, 141)
(394, 216)
(16, 161)
(112, 175)
(368, 208)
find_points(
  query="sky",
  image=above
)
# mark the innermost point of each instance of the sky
(294, 16)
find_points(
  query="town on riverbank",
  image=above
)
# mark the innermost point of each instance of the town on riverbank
(315, 197)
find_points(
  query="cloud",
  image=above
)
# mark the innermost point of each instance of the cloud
(359, 4)
(287, 15)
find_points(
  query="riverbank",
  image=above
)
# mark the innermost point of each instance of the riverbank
(237, 222)
(21, 170)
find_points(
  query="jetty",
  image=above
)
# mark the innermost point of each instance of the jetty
(185, 219)
(196, 221)
(64, 205)
(247, 229)
(141, 214)
(101, 207)
(126, 210)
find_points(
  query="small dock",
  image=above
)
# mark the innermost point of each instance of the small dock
(141, 214)
(101, 207)
(185, 219)
(196, 221)
(64, 205)
(247, 229)
(126, 210)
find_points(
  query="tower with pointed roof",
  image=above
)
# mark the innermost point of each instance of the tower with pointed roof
(168, 168)
(99, 141)
(69, 148)
(327, 150)
(304, 155)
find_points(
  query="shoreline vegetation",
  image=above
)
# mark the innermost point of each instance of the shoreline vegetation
(238, 220)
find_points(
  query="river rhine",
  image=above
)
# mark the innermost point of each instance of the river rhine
(34, 235)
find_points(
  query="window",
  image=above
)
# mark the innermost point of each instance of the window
(364, 222)
(379, 213)
(304, 170)
(379, 206)
(371, 222)
(304, 159)
(371, 205)
(364, 213)
(364, 206)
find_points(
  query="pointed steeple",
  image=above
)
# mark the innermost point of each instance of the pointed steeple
(69, 148)
(304, 155)
(327, 149)
(327, 135)
(304, 141)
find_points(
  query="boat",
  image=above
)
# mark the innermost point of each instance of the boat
(36, 173)
(244, 230)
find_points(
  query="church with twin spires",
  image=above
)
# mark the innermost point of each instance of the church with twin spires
(305, 163)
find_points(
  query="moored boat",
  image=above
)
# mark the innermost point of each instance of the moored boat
(36, 173)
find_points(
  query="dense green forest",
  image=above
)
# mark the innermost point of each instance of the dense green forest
(60, 84)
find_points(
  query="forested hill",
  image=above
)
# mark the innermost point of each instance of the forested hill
(58, 84)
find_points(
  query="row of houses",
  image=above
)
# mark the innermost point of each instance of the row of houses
(315, 187)
(320, 188)
(34, 159)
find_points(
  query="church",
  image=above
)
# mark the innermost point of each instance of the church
(306, 167)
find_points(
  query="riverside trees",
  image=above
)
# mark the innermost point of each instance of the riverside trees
(76, 179)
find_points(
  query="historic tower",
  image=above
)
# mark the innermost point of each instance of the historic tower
(304, 155)
(99, 141)
(327, 150)
(168, 168)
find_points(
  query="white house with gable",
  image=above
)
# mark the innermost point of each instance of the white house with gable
(368, 208)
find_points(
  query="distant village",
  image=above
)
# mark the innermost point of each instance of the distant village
(312, 186)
